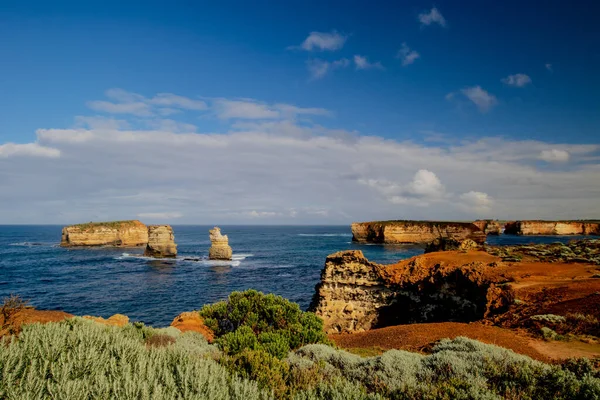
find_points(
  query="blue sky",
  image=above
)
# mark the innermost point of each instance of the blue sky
(466, 81)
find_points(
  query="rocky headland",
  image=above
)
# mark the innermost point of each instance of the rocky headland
(116, 233)
(538, 227)
(503, 286)
(161, 242)
(421, 232)
(219, 249)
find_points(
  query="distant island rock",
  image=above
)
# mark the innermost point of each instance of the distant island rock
(420, 232)
(161, 242)
(538, 227)
(219, 249)
(116, 233)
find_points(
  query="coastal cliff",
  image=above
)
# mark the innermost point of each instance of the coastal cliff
(489, 226)
(161, 242)
(552, 228)
(414, 231)
(118, 233)
(357, 295)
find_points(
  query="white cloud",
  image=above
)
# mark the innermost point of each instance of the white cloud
(427, 184)
(517, 80)
(139, 109)
(287, 171)
(361, 62)
(554, 155)
(407, 55)
(161, 215)
(319, 68)
(27, 150)
(244, 109)
(549, 67)
(431, 17)
(480, 97)
(477, 202)
(171, 100)
(329, 41)
(138, 105)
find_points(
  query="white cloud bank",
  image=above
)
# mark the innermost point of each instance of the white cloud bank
(279, 170)
(362, 62)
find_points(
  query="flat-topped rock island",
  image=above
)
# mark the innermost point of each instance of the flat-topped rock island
(419, 232)
(115, 233)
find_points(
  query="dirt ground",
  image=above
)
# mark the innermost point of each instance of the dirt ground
(420, 337)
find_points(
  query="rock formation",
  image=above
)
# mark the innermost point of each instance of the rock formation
(447, 244)
(356, 295)
(115, 320)
(553, 228)
(489, 226)
(414, 231)
(192, 321)
(219, 249)
(118, 233)
(161, 242)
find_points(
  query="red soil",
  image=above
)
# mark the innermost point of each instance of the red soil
(420, 337)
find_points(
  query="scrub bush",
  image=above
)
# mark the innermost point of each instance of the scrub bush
(253, 320)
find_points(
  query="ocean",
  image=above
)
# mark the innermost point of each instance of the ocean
(285, 260)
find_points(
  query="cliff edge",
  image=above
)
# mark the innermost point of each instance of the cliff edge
(117, 233)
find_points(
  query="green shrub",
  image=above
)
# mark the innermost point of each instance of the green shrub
(258, 365)
(79, 359)
(255, 321)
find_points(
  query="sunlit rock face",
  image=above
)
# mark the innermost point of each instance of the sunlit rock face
(488, 226)
(414, 231)
(219, 249)
(356, 295)
(117, 233)
(161, 242)
(553, 228)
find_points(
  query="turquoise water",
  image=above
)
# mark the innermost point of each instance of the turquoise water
(285, 260)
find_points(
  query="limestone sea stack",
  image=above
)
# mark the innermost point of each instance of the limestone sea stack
(414, 231)
(115, 233)
(161, 242)
(219, 249)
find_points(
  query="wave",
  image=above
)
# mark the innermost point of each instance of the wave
(32, 244)
(326, 234)
(235, 261)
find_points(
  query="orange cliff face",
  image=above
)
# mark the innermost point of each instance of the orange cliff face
(553, 228)
(414, 231)
(119, 233)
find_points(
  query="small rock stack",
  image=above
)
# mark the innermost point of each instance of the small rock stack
(161, 242)
(219, 249)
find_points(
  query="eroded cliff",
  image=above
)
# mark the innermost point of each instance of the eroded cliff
(552, 228)
(414, 231)
(356, 295)
(489, 226)
(118, 233)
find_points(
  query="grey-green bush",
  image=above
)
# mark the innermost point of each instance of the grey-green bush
(78, 359)
(457, 369)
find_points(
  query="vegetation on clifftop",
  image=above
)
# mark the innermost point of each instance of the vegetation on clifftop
(110, 224)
